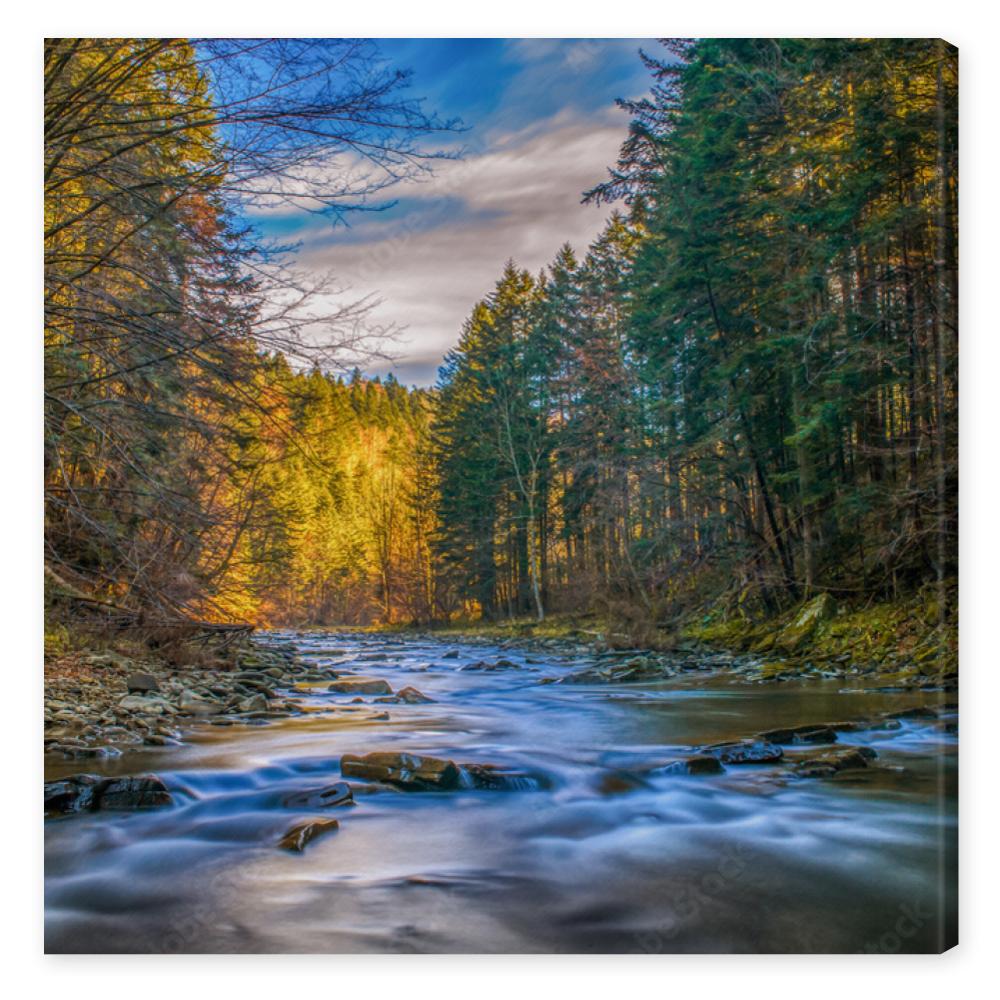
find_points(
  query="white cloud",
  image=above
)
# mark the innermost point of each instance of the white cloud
(520, 200)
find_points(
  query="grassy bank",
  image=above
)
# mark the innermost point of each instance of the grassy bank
(900, 639)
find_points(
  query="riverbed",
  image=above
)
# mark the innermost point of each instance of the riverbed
(603, 848)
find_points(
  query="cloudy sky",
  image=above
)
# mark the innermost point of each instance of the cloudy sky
(541, 128)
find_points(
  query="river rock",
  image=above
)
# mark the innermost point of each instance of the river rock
(920, 712)
(145, 791)
(255, 703)
(197, 705)
(150, 706)
(700, 764)
(407, 696)
(77, 751)
(72, 794)
(800, 734)
(745, 752)
(360, 685)
(296, 837)
(141, 683)
(496, 778)
(407, 771)
(828, 764)
(337, 794)
(795, 635)
(88, 792)
(861, 725)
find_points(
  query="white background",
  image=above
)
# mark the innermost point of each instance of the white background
(962, 972)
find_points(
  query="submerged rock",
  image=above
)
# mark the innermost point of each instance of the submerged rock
(407, 771)
(861, 725)
(360, 685)
(701, 764)
(620, 783)
(800, 734)
(407, 696)
(296, 837)
(338, 794)
(495, 778)
(146, 791)
(632, 671)
(72, 794)
(828, 764)
(88, 792)
(77, 750)
(745, 752)
(920, 712)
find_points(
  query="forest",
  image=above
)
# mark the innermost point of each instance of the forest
(743, 394)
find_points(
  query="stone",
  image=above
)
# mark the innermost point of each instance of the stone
(407, 771)
(828, 764)
(145, 791)
(72, 794)
(452, 654)
(255, 703)
(75, 751)
(701, 764)
(798, 632)
(360, 685)
(920, 712)
(495, 778)
(140, 703)
(337, 794)
(745, 752)
(88, 792)
(800, 734)
(862, 725)
(196, 705)
(411, 696)
(296, 837)
(141, 683)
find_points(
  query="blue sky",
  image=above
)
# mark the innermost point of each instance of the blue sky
(541, 127)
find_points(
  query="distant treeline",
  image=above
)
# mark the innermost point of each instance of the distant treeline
(743, 393)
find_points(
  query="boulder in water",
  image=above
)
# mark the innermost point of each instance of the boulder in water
(700, 764)
(297, 836)
(360, 685)
(406, 696)
(404, 770)
(745, 752)
(828, 764)
(88, 792)
(337, 794)
(145, 791)
(800, 734)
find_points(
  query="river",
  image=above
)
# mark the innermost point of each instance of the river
(603, 853)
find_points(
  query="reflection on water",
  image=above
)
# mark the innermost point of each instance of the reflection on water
(751, 860)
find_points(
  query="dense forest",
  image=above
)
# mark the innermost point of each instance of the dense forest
(743, 393)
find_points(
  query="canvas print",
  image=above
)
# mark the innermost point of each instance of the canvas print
(501, 495)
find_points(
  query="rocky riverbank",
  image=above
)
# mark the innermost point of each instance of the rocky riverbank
(892, 646)
(98, 704)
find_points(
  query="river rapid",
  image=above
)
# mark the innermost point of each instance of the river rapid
(604, 850)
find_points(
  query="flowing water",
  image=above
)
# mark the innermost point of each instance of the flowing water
(583, 860)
